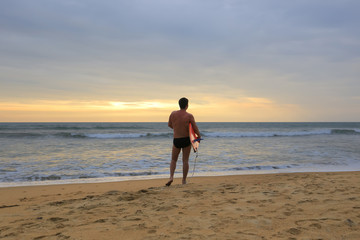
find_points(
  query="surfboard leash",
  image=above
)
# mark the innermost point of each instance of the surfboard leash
(196, 156)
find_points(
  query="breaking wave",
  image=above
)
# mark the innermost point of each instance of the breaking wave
(169, 134)
(84, 135)
(282, 134)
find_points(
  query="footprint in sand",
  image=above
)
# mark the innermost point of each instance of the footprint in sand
(111, 193)
(287, 213)
(315, 225)
(100, 220)
(294, 231)
(164, 219)
(229, 186)
(166, 208)
(192, 193)
(58, 219)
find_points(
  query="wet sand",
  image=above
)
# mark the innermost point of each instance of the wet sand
(273, 206)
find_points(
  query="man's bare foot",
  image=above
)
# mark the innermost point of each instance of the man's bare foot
(169, 183)
(184, 182)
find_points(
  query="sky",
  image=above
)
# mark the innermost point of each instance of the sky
(125, 61)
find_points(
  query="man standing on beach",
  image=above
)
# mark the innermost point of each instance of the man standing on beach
(179, 122)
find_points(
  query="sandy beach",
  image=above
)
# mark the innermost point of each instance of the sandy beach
(273, 206)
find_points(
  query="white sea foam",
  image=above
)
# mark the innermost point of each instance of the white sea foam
(124, 135)
(115, 135)
(269, 134)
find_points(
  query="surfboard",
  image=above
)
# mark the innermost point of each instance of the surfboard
(193, 138)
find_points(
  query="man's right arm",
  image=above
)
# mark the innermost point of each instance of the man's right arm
(170, 122)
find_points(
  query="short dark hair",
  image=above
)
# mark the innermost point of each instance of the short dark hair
(183, 102)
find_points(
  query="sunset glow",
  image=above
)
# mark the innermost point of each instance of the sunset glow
(242, 109)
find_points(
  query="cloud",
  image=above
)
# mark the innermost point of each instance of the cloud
(292, 52)
(119, 30)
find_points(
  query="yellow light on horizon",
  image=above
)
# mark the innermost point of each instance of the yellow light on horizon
(208, 109)
(140, 105)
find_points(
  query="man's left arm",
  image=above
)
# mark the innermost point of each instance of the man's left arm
(195, 127)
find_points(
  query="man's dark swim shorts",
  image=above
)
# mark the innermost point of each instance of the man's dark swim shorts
(182, 142)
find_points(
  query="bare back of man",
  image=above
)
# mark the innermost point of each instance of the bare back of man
(179, 122)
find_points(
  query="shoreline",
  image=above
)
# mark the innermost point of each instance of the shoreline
(258, 206)
(177, 175)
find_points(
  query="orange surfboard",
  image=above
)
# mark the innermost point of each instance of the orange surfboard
(193, 138)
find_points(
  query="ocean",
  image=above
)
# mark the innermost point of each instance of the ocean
(56, 153)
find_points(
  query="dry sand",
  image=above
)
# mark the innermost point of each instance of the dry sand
(275, 206)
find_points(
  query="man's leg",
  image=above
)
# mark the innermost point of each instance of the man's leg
(174, 158)
(186, 155)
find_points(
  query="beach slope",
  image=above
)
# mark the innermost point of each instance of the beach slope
(272, 206)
